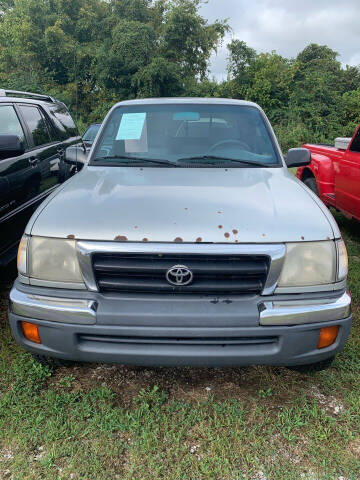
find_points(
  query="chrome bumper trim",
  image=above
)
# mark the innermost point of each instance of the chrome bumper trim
(53, 309)
(305, 311)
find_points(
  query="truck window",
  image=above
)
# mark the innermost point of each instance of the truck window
(180, 132)
(36, 124)
(9, 122)
(355, 146)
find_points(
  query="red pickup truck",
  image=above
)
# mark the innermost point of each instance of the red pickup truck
(334, 174)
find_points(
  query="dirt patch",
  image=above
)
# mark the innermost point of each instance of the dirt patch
(272, 386)
(331, 404)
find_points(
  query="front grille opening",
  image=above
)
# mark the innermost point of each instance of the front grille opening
(213, 274)
(216, 341)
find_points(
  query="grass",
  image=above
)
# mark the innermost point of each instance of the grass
(114, 422)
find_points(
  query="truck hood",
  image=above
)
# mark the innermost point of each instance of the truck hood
(235, 205)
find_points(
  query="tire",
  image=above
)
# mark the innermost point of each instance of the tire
(51, 362)
(311, 183)
(313, 367)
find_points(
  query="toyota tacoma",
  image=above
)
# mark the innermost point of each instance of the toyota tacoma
(184, 240)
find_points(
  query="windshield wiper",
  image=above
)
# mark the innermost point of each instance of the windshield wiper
(225, 159)
(136, 160)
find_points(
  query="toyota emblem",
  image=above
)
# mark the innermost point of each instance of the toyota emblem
(179, 275)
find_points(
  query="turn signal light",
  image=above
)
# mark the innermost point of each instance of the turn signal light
(31, 332)
(327, 336)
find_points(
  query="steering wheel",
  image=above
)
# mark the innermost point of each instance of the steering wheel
(230, 142)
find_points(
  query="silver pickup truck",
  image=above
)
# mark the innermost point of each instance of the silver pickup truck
(184, 240)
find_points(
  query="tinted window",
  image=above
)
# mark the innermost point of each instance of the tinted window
(177, 132)
(355, 146)
(63, 121)
(36, 124)
(9, 122)
(91, 132)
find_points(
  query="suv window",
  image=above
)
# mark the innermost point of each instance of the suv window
(36, 123)
(9, 122)
(90, 133)
(64, 123)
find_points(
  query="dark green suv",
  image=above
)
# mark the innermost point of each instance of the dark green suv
(35, 131)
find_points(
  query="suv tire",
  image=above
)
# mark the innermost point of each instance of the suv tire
(313, 367)
(311, 183)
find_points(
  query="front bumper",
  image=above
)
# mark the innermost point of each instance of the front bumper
(172, 331)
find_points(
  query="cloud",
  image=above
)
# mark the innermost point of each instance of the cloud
(287, 26)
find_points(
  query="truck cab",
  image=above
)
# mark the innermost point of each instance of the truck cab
(334, 174)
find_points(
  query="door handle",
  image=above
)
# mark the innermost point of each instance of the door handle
(60, 151)
(32, 160)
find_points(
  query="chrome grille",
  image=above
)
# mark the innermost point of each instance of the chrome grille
(213, 274)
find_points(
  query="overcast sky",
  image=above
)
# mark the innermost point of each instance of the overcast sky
(287, 26)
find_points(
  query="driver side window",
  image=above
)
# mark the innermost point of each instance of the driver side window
(9, 122)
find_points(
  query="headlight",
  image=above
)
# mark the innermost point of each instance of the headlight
(309, 263)
(50, 259)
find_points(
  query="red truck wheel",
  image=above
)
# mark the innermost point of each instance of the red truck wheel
(311, 183)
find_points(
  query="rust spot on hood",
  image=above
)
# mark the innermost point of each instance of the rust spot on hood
(235, 232)
(302, 238)
(220, 226)
(71, 237)
(226, 235)
(199, 240)
(178, 240)
(120, 238)
(145, 240)
(136, 227)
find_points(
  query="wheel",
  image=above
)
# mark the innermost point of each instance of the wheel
(51, 362)
(311, 183)
(313, 367)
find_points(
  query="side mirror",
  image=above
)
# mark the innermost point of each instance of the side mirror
(298, 157)
(76, 155)
(11, 146)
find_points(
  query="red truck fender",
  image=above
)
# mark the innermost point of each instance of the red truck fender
(322, 171)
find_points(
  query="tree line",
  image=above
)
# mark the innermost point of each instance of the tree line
(93, 53)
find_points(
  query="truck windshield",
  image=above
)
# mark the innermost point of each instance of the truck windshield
(186, 135)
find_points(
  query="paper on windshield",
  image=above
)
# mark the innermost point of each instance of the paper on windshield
(131, 126)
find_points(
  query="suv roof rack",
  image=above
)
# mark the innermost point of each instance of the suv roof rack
(46, 98)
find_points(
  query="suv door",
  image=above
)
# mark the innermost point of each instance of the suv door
(13, 175)
(45, 153)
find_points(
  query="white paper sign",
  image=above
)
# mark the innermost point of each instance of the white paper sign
(131, 126)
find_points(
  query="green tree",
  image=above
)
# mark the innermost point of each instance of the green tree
(90, 52)
(187, 39)
(316, 91)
